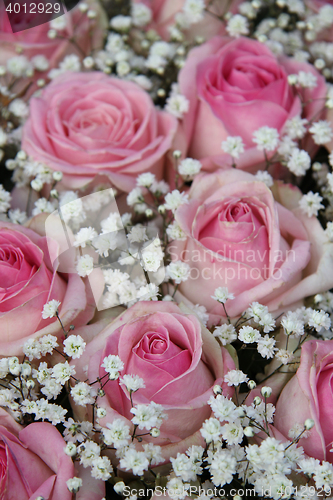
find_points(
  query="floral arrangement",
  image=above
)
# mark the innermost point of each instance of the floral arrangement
(166, 251)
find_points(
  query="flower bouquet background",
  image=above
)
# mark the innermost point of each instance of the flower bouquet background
(166, 251)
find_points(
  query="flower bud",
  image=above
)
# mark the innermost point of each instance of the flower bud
(101, 412)
(266, 391)
(249, 432)
(217, 389)
(257, 400)
(308, 424)
(251, 384)
(177, 154)
(161, 209)
(57, 176)
(155, 432)
(119, 487)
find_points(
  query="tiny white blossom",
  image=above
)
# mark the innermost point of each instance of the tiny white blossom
(189, 167)
(306, 79)
(112, 364)
(211, 430)
(225, 333)
(194, 10)
(319, 320)
(223, 467)
(177, 105)
(5, 198)
(83, 394)
(284, 356)
(42, 205)
(50, 309)
(89, 451)
(85, 265)
(222, 294)
(135, 461)
(84, 236)
(75, 483)
(178, 271)
(135, 196)
(265, 177)
(101, 468)
(233, 433)
(175, 232)
(292, 324)
(311, 203)
(299, 162)
(321, 132)
(175, 199)
(248, 335)
(117, 433)
(141, 14)
(63, 372)
(266, 138)
(233, 145)
(153, 453)
(145, 180)
(32, 349)
(137, 234)
(266, 346)
(238, 25)
(235, 378)
(295, 128)
(74, 346)
(132, 382)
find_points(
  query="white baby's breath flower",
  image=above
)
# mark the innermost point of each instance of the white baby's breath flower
(141, 14)
(5, 198)
(299, 162)
(112, 364)
(177, 105)
(83, 394)
(63, 372)
(222, 294)
(266, 346)
(264, 177)
(135, 461)
(178, 271)
(321, 132)
(248, 335)
(225, 333)
(235, 378)
(84, 236)
(189, 167)
(175, 232)
(233, 145)
(145, 180)
(238, 25)
(175, 199)
(307, 80)
(85, 265)
(132, 382)
(50, 309)
(266, 138)
(74, 346)
(310, 204)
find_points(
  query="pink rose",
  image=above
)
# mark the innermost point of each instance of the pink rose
(254, 241)
(88, 35)
(28, 281)
(234, 88)
(34, 464)
(178, 359)
(310, 392)
(85, 124)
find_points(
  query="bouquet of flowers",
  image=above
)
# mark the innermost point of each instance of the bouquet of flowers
(166, 250)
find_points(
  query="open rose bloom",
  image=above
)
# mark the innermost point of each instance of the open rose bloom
(309, 395)
(86, 124)
(234, 88)
(28, 281)
(254, 241)
(177, 358)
